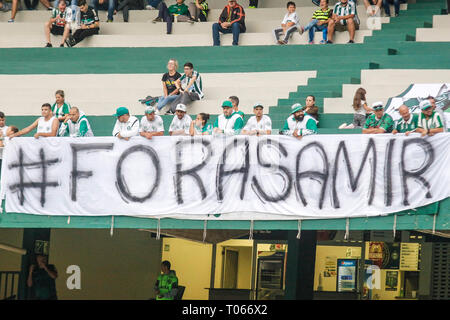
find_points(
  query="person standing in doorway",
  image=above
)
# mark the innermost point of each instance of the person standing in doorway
(41, 279)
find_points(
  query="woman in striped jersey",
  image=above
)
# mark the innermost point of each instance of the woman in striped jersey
(60, 108)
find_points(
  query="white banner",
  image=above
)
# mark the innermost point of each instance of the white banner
(238, 178)
(416, 93)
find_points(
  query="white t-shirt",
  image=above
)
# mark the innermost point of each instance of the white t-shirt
(361, 110)
(291, 17)
(45, 126)
(156, 125)
(4, 129)
(263, 125)
(180, 124)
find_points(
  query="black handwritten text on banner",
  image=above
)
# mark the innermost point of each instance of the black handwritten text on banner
(248, 178)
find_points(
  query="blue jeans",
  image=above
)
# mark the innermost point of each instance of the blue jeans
(162, 101)
(235, 29)
(312, 27)
(106, 5)
(387, 3)
(153, 3)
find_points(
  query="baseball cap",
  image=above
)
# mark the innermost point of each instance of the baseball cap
(121, 111)
(227, 104)
(258, 105)
(425, 104)
(180, 107)
(296, 107)
(377, 105)
(149, 110)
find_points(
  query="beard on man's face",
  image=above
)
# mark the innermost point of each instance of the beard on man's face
(299, 117)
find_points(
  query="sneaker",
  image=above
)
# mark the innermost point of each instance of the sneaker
(70, 41)
(157, 19)
(329, 42)
(351, 41)
(50, 8)
(251, 7)
(11, 20)
(343, 126)
(281, 42)
(311, 42)
(157, 112)
(149, 7)
(396, 14)
(48, 45)
(301, 30)
(190, 20)
(109, 20)
(323, 41)
(61, 45)
(169, 112)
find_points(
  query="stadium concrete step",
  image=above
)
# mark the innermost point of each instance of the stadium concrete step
(441, 21)
(101, 94)
(174, 40)
(394, 83)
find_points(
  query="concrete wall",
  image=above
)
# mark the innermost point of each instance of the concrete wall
(192, 262)
(10, 261)
(124, 266)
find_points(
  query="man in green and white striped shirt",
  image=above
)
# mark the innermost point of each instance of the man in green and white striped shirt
(189, 86)
(407, 123)
(344, 18)
(76, 125)
(429, 122)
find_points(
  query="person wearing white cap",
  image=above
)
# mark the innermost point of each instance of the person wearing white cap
(151, 124)
(126, 126)
(259, 124)
(181, 122)
(299, 124)
(429, 122)
(379, 121)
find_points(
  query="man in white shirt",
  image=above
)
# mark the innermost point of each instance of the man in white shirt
(126, 126)
(181, 122)
(288, 26)
(259, 124)
(299, 123)
(151, 124)
(47, 125)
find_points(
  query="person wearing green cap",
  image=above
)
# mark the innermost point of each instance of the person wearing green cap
(228, 123)
(259, 124)
(429, 121)
(299, 123)
(379, 121)
(151, 124)
(76, 125)
(407, 123)
(126, 126)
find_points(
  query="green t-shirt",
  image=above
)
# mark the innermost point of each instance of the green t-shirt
(386, 122)
(179, 9)
(403, 126)
(60, 111)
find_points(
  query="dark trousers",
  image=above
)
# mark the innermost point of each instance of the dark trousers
(235, 29)
(31, 4)
(80, 34)
(185, 98)
(165, 15)
(127, 5)
(253, 3)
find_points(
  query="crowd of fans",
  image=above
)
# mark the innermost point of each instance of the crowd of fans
(76, 19)
(62, 119)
